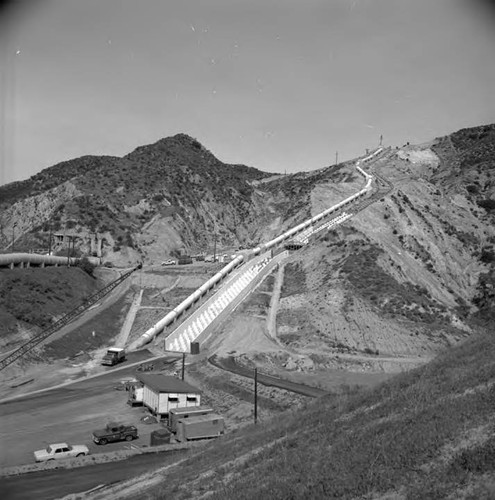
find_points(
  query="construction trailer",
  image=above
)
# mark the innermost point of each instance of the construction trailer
(200, 427)
(177, 414)
(161, 393)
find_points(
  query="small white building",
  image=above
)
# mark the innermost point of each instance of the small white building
(162, 393)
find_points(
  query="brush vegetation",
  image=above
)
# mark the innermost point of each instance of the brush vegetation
(428, 433)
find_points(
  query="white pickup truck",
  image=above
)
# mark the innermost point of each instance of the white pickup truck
(60, 450)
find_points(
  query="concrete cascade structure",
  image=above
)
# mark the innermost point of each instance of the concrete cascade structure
(181, 342)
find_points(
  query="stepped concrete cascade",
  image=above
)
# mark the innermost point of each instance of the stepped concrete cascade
(303, 238)
(183, 339)
(249, 259)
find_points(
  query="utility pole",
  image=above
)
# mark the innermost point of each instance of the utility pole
(336, 157)
(13, 235)
(256, 395)
(50, 240)
(68, 252)
(381, 139)
(183, 364)
(215, 247)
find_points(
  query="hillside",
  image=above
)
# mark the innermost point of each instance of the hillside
(427, 433)
(167, 197)
(31, 299)
(416, 266)
(407, 279)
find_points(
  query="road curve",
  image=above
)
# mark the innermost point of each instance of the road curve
(229, 364)
(57, 483)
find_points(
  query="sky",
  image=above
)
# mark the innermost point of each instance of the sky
(281, 85)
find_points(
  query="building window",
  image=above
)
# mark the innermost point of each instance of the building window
(172, 399)
(191, 399)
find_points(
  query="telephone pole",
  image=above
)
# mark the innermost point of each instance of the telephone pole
(13, 235)
(68, 252)
(215, 247)
(336, 157)
(256, 395)
(50, 241)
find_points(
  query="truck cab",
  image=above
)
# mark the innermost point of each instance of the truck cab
(113, 356)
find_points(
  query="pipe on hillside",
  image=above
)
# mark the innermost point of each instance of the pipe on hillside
(36, 259)
(150, 334)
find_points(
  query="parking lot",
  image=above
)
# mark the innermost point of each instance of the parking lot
(69, 414)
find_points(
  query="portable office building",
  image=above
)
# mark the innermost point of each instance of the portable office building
(161, 393)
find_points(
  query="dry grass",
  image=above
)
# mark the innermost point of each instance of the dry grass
(366, 454)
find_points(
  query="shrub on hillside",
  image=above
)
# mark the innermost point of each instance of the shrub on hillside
(487, 204)
(87, 266)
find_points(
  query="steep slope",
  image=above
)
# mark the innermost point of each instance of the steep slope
(424, 434)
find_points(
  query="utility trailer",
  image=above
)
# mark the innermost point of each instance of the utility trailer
(183, 412)
(200, 427)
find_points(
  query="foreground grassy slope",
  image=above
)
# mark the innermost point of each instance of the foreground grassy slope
(428, 433)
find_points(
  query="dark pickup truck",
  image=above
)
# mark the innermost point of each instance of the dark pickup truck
(115, 432)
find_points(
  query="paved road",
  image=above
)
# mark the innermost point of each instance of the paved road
(47, 485)
(230, 365)
(69, 413)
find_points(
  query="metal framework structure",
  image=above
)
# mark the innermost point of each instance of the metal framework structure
(64, 320)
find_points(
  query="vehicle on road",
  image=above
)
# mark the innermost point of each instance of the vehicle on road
(169, 262)
(115, 432)
(60, 450)
(113, 356)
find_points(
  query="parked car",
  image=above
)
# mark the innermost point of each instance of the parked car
(169, 262)
(60, 450)
(115, 432)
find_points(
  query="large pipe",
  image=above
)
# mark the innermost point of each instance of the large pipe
(35, 259)
(175, 313)
(150, 334)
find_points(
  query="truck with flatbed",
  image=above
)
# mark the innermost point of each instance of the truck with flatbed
(115, 432)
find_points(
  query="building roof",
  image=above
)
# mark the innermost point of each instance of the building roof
(162, 383)
(190, 409)
(194, 419)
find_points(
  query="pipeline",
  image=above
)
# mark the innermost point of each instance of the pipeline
(172, 316)
(36, 259)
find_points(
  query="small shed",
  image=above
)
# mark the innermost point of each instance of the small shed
(159, 437)
(161, 393)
